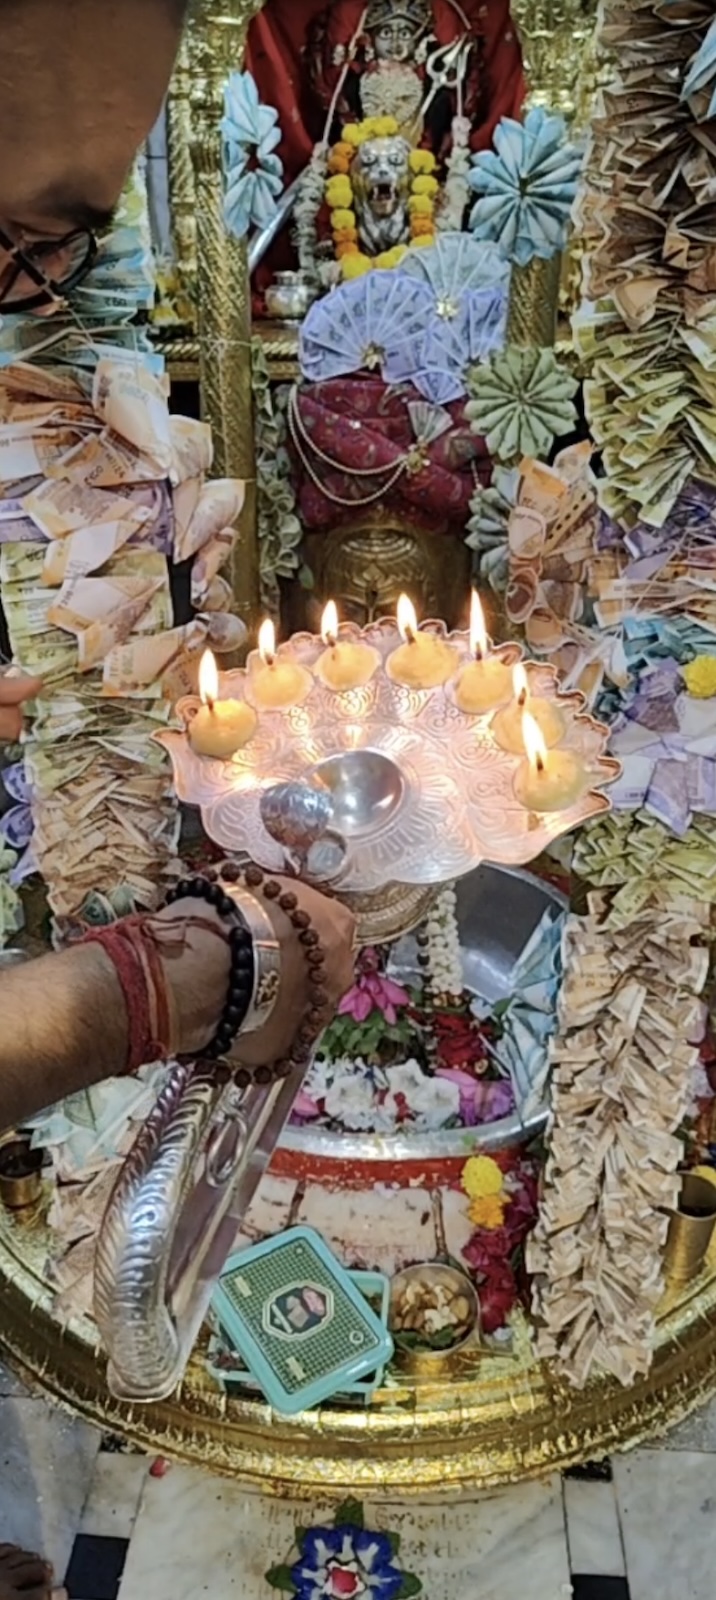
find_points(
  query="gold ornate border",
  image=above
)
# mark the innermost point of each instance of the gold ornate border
(503, 1421)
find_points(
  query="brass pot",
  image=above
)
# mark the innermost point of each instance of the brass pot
(436, 1365)
(690, 1231)
(20, 1173)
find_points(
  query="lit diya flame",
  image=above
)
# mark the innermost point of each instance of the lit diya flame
(422, 661)
(548, 780)
(208, 680)
(267, 642)
(485, 681)
(520, 686)
(220, 727)
(407, 620)
(348, 665)
(478, 632)
(278, 683)
(534, 744)
(329, 623)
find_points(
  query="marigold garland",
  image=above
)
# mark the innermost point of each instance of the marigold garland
(339, 197)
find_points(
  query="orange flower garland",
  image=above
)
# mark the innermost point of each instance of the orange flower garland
(339, 197)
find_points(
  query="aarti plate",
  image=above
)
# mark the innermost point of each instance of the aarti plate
(453, 804)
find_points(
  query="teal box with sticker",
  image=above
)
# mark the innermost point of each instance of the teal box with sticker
(232, 1375)
(304, 1330)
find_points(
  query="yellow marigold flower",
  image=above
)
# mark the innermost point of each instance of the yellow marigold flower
(420, 205)
(352, 134)
(355, 266)
(424, 184)
(339, 193)
(481, 1176)
(384, 127)
(343, 218)
(700, 677)
(488, 1211)
(391, 258)
(423, 239)
(422, 161)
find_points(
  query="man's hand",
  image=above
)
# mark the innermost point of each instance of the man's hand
(13, 694)
(199, 977)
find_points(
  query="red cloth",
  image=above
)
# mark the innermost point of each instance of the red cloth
(440, 492)
(278, 55)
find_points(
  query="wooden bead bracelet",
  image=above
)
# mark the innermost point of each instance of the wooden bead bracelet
(316, 1015)
(234, 889)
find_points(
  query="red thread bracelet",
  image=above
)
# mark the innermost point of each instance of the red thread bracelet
(131, 948)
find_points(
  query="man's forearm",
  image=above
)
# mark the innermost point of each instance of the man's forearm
(63, 1026)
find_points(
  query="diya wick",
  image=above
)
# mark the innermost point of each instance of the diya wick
(548, 780)
(276, 684)
(345, 663)
(421, 661)
(220, 727)
(485, 682)
(508, 725)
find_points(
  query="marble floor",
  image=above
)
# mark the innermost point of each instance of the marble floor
(119, 1527)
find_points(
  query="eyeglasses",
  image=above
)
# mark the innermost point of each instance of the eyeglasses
(36, 274)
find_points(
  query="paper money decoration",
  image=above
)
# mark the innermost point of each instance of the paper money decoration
(699, 87)
(526, 187)
(100, 488)
(621, 1085)
(253, 172)
(648, 339)
(403, 324)
(521, 401)
(487, 528)
(531, 1018)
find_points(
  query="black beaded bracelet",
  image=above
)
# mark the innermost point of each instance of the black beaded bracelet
(243, 962)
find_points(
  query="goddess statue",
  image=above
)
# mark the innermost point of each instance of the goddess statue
(398, 62)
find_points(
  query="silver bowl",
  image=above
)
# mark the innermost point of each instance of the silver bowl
(498, 910)
(366, 789)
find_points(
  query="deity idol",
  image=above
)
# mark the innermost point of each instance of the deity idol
(380, 175)
(398, 39)
(406, 59)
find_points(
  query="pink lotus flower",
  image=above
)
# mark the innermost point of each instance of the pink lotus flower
(372, 991)
(305, 1108)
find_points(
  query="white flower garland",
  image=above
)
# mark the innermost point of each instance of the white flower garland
(455, 196)
(442, 957)
(305, 212)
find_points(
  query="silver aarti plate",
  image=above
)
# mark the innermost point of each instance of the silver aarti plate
(421, 792)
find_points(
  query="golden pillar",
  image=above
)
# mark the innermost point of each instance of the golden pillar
(216, 42)
(558, 39)
(183, 186)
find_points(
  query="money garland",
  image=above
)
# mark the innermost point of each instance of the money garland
(625, 1059)
(622, 1071)
(649, 336)
(100, 489)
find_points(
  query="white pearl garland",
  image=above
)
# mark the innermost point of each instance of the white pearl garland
(443, 956)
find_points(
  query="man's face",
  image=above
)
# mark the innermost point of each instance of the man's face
(81, 85)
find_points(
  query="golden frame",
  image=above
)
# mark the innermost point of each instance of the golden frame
(557, 39)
